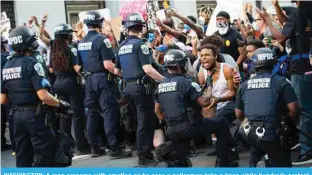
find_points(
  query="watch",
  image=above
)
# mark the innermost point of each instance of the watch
(219, 99)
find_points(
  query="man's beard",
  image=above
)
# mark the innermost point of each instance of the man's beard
(223, 27)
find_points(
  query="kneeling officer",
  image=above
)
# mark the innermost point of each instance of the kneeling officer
(24, 85)
(276, 94)
(175, 101)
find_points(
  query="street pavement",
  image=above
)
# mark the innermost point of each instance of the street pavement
(201, 160)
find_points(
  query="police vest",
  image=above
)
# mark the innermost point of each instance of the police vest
(172, 99)
(89, 51)
(261, 99)
(16, 77)
(129, 61)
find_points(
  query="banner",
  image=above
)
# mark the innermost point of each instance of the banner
(138, 6)
(104, 12)
(5, 25)
(152, 8)
(234, 8)
(115, 25)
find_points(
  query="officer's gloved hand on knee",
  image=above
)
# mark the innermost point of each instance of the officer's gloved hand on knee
(64, 106)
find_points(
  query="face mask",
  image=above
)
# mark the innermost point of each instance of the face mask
(186, 27)
(151, 37)
(255, 26)
(201, 20)
(222, 27)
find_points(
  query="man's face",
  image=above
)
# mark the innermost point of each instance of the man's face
(207, 58)
(222, 19)
(160, 57)
(250, 50)
(259, 21)
(181, 27)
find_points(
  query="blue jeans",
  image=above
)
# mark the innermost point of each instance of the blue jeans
(303, 85)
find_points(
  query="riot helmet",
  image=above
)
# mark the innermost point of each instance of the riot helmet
(176, 57)
(22, 38)
(93, 19)
(64, 31)
(134, 19)
(264, 57)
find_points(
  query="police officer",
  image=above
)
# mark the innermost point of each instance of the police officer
(24, 84)
(297, 31)
(134, 60)
(175, 98)
(4, 108)
(264, 121)
(96, 55)
(62, 60)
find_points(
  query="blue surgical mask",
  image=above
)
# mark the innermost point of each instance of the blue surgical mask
(186, 27)
(151, 37)
(255, 26)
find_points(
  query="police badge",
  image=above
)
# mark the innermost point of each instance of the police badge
(144, 49)
(108, 43)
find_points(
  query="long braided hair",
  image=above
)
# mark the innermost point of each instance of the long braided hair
(59, 54)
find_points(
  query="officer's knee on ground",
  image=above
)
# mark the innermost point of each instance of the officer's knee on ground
(165, 152)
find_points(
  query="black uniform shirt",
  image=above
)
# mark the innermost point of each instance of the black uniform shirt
(290, 31)
(230, 45)
(172, 93)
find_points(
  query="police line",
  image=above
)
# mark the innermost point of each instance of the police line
(156, 171)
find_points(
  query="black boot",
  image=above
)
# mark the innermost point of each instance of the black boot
(233, 155)
(226, 163)
(192, 152)
(213, 152)
(83, 152)
(117, 153)
(96, 151)
(144, 161)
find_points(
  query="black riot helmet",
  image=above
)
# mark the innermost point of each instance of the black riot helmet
(134, 19)
(93, 19)
(64, 31)
(264, 57)
(175, 57)
(22, 38)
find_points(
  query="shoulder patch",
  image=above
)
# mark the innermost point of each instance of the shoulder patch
(74, 51)
(107, 43)
(39, 58)
(39, 69)
(144, 49)
(196, 86)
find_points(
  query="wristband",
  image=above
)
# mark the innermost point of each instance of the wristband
(219, 99)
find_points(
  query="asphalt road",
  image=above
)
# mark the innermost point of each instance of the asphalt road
(201, 160)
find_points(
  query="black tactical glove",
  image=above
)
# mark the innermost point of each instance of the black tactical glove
(64, 106)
